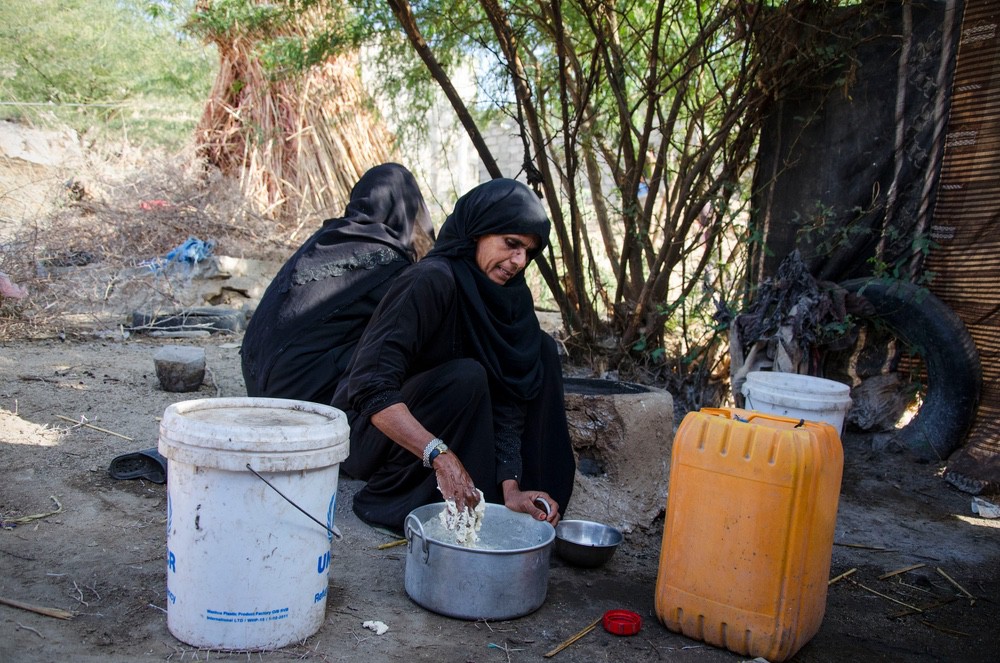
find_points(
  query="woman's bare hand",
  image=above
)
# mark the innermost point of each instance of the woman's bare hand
(454, 482)
(399, 425)
(531, 502)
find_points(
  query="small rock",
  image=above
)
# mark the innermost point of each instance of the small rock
(377, 626)
(180, 368)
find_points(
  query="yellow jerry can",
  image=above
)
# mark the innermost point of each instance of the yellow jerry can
(748, 535)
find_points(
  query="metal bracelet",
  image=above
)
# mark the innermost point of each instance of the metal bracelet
(427, 450)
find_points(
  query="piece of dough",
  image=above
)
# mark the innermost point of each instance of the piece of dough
(465, 524)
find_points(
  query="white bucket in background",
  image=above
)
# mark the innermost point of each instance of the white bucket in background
(798, 397)
(247, 570)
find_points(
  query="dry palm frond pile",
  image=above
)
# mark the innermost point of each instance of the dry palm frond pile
(296, 142)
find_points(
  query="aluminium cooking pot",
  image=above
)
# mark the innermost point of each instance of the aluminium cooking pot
(505, 575)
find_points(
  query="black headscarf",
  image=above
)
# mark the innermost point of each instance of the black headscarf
(500, 322)
(385, 205)
(345, 259)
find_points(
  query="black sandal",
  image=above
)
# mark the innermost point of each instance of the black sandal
(146, 464)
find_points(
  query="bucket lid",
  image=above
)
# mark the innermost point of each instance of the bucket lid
(272, 434)
(798, 391)
(805, 385)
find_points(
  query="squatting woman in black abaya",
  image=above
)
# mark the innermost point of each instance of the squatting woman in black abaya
(454, 386)
(302, 335)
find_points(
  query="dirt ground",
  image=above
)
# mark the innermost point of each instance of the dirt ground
(103, 556)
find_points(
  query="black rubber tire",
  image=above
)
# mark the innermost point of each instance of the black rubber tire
(954, 375)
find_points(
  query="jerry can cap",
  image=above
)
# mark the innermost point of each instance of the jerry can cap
(622, 622)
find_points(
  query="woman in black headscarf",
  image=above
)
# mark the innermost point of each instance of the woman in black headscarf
(454, 387)
(302, 335)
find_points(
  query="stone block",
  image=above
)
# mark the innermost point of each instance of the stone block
(179, 367)
(622, 434)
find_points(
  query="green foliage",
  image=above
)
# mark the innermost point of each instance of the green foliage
(455, 33)
(608, 97)
(229, 19)
(114, 66)
(288, 37)
(921, 246)
(639, 123)
(832, 331)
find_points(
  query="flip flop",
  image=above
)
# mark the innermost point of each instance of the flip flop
(146, 464)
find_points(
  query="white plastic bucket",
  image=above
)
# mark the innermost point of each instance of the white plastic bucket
(798, 397)
(246, 569)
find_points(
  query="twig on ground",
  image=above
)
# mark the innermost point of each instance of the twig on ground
(574, 638)
(485, 623)
(841, 576)
(886, 596)
(957, 586)
(41, 610)
(504, 649)
(926, 608)
(93, 587)
(905, 569)
(32, 378)
(80, 592)
(211, 375)
(23, 520)
(16, 556)
(97, 428)
(28, 628)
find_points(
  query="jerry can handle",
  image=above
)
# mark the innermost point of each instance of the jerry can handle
(747, 416)
(717, 412)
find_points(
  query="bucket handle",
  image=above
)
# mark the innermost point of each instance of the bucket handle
(332, 530)
(411, 524)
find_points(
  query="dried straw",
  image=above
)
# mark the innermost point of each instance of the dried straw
(905, 569)
(297, 144)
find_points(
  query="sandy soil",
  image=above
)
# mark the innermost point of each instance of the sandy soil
(102, 557)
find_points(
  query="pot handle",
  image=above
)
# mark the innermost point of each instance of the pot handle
(410, 525)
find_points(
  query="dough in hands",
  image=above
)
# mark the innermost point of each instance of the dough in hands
(465, 523)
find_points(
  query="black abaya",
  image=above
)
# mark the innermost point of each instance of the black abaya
(425, 348)
(302, 335)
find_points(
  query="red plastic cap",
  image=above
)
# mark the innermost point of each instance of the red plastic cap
(622, 622)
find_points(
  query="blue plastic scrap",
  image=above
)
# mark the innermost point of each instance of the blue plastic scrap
(193, 250)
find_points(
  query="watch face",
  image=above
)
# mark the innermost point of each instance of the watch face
(437, 451)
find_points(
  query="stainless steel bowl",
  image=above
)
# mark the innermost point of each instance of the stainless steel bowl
(586, 543)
